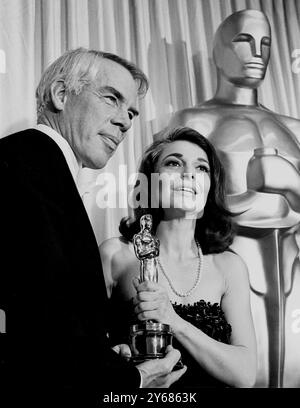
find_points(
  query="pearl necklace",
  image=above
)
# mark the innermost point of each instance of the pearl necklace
(200, 264)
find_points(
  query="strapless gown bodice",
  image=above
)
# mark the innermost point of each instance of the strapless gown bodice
(210, 319)
(206, 316)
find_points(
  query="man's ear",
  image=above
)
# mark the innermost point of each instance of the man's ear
(58, 94)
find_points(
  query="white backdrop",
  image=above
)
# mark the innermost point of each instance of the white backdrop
(171, 40)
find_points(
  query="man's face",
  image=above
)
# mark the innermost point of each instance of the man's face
(242, 50)
(95, 121)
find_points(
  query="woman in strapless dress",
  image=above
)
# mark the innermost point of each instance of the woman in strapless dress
(203, 288)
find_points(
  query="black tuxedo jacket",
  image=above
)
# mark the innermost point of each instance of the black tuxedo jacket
(51, 284)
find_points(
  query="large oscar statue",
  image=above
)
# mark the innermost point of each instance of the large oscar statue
(148, 340)
(261, 152)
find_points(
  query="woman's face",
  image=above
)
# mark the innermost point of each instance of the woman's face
(183, 177)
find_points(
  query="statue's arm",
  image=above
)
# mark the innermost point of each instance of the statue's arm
(293, 125)
(271, 174)
(275, 174)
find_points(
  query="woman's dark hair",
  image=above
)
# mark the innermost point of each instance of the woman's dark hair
(214, 231)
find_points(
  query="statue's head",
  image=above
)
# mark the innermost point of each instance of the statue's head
(242, 48)
(146, 222)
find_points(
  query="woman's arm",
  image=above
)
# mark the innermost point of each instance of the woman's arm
(234, 364)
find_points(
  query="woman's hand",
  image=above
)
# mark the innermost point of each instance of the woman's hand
(152, 303)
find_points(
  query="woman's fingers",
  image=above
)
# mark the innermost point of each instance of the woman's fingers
(146, 297)
(152, 302)
(146, 306)
(153, 311)
(145, 286)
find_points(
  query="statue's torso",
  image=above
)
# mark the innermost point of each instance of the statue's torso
(243, 128)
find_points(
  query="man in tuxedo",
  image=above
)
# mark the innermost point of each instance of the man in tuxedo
(51, 283)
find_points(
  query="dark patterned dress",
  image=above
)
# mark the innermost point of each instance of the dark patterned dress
(210, 319)
(204, 315)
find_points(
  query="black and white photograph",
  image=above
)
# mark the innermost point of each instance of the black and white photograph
(150, 199)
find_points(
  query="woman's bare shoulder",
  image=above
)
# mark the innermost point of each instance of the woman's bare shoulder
(232, 266)
(230, 258)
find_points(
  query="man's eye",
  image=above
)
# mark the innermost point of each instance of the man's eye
(111, 99)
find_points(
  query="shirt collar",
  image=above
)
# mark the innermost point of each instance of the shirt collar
(64, 146)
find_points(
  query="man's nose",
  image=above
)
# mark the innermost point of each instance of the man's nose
(122, 120)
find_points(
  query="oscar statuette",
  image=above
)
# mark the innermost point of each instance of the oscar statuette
(149, 339)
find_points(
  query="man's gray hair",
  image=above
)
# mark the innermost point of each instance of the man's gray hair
(78, 68)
